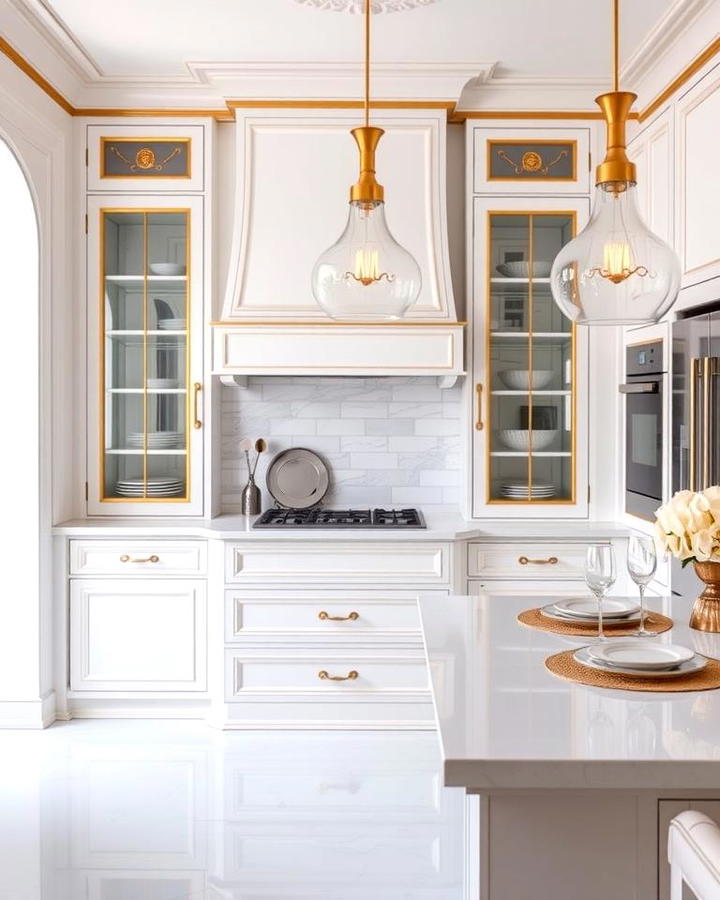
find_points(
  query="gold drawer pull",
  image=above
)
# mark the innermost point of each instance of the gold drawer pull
(152, 559)
(351, 676)
(479, 421)
(326, 617)
(550, 561)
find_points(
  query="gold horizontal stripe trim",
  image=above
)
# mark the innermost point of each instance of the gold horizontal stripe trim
(454, 115)
(284, 323)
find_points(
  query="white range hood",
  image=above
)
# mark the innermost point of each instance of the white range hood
(293, 172)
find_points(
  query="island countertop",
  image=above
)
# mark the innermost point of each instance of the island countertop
(505, 722)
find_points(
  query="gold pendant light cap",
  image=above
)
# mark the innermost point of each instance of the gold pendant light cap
(366, 189)
(616, 167)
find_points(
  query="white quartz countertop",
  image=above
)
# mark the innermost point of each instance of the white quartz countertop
(505, 722)
(441, 526)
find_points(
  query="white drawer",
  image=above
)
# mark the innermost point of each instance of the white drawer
(313, 614)
(317, 673)
(349, 563)
(134, 557)
(549, 559)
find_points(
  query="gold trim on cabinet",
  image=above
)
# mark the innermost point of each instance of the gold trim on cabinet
(314, 323)
(102, 396)
(105, 139)
(489, 500)
(492, 143)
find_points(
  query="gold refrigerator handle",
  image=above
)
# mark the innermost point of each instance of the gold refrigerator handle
(694, 375)
(706, 422)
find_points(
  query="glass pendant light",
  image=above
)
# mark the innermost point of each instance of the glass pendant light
(616, 271)
(366, 275)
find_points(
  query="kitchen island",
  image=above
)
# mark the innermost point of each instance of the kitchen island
(597, 773)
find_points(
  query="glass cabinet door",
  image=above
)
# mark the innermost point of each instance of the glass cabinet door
(530, 356)
(145, 390)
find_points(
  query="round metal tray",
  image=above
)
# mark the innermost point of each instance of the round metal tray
(297, 478)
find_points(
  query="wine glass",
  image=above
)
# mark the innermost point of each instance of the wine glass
(600, 574)
(641, 563)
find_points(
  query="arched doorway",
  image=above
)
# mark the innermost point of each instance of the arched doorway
(19, 433)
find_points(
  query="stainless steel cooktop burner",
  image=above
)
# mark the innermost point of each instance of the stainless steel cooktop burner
(340, 518)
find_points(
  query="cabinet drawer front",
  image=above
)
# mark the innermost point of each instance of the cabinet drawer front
(389, 563)
(319, 673)
(315, 614)
(137, 558)
(525, 560)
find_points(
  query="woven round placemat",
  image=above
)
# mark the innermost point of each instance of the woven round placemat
(533, 618)
(564, 666)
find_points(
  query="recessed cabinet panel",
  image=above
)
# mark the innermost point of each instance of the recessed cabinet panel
(531, 161)
(145, 158)
(138, 635)
(529, 445)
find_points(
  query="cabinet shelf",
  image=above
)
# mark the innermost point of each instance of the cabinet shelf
(545, 453)
(513, 281)
(138, 279)
(536, 335)
(149, 390)
(503, 393)
(140, 452)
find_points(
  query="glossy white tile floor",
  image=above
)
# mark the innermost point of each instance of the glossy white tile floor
(175, 811)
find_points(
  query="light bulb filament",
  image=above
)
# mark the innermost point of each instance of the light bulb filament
(617, 263)
(367, 268)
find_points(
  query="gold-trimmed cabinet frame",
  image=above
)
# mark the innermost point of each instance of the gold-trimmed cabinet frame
(192, 501)
(532, 160)
(145, 157)
(479, 389)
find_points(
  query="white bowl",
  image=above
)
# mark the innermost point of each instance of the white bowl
(167, 269)
(521, 269)
(519, 379)
(517, 439)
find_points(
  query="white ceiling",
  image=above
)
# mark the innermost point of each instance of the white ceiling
(527, 38)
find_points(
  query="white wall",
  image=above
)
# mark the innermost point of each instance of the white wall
(39, 413)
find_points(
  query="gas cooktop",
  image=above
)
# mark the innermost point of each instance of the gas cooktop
(340, 518)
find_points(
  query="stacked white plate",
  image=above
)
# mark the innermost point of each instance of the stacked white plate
(157, 486)
(516, 490)
(162, 383)
(156, 440)
(172, 324)
(641, 658)
(585, 609)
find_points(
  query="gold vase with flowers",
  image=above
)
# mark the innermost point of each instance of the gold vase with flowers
(688, 527)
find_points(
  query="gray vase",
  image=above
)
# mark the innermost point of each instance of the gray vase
(250, 499)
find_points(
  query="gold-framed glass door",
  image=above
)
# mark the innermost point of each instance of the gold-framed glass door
(531, 360)
(145, 346)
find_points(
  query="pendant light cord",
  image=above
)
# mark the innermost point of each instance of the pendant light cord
(367, 62)
(616, 45)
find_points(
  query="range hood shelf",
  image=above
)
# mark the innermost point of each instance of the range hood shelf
(337, 348)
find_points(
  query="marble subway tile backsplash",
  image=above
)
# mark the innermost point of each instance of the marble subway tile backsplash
(387, 441)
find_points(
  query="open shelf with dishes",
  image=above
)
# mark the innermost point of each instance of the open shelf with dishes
(146, 391)
(525, 439)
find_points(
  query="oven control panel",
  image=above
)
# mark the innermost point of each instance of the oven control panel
(644, 359)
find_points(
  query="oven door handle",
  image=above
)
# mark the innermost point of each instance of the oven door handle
(640, 387)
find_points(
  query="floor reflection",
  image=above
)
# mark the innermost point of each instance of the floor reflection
(173, 811)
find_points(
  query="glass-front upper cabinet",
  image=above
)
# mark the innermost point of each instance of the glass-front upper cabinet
(529, 436)
(145, 444)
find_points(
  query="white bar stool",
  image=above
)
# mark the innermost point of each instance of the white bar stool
(694, 856)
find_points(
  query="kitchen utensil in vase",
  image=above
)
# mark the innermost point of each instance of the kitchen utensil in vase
(250, 499)
(600, 575)
(641, 565)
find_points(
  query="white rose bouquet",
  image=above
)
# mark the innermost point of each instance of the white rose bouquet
(688, 526)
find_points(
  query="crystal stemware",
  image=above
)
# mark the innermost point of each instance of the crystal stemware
(641, 564)
(600, 574)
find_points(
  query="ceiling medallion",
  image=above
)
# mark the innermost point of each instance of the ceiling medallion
(357, 6)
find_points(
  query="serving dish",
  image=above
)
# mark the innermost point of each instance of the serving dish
(167, 269)
(524, 380)
(518, 439)
(521, 269)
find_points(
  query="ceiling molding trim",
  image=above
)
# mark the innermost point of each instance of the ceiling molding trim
(35, 76)
(661, 37)
(687, 73)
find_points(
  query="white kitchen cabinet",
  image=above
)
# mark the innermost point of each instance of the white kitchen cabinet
(138, 635)
(145, 368)
(652, 151)
(526, 560)
(698, 190)
(152, 158)
(667, 810)
(529, 446)
(132, 557)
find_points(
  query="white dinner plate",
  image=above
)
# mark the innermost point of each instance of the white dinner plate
(551, 613)
(587, 607)
(640, 654)
(693, 665)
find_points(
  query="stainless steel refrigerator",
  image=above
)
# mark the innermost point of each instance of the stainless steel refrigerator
(695, 415)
